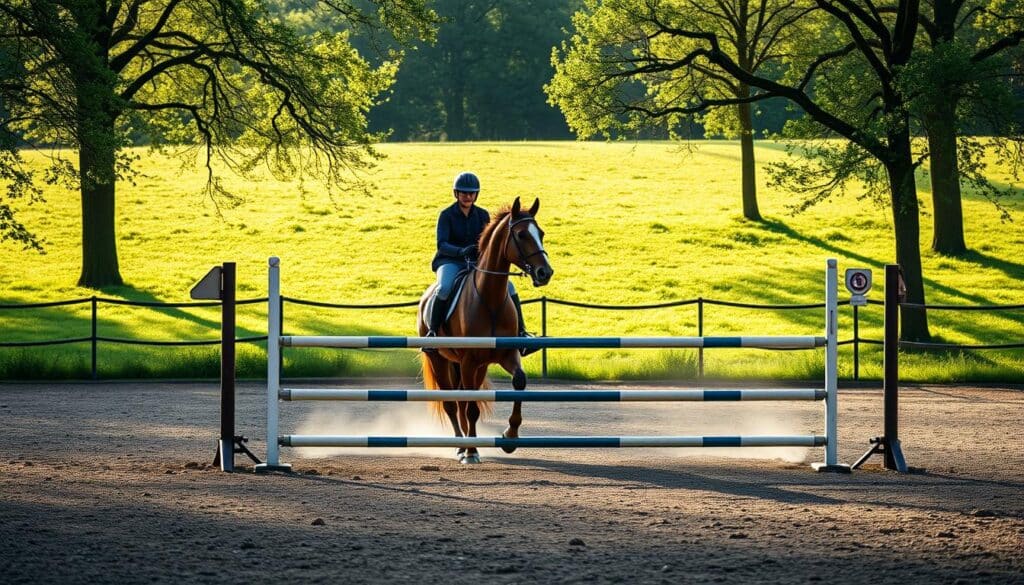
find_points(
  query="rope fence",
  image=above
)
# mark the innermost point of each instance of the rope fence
(94, 339)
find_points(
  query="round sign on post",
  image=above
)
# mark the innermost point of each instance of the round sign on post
(858, 282)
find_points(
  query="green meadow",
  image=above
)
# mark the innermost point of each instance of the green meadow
(626, 222)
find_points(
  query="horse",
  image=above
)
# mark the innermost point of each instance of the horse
(484, 309)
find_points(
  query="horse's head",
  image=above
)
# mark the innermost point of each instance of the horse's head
(527, 249)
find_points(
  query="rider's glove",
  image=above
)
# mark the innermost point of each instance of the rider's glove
(469, 252)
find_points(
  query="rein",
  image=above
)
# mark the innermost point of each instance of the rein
(473, 266)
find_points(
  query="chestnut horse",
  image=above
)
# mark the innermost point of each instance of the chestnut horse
(484, 309)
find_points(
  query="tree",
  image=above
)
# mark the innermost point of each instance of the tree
(620, 69)
(13, 170)
(481, 79)
(967, 40)
(850, 49)
(229, 77)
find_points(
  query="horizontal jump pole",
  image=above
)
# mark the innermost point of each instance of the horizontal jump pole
(669, 395)
(550, 442)
(380, 341)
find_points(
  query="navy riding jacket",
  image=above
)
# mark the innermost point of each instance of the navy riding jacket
(456, 231)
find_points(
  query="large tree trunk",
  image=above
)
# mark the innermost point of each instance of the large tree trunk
(97, 147)
(948, 215)
(747, 162)
(907, 225)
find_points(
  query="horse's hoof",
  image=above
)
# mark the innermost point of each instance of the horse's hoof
(504, 435)
(472, 459)
(519, 380)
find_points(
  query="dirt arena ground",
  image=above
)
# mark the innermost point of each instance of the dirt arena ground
(112, 484)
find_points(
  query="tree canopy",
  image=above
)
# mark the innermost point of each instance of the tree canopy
(232, 78)
(482, 78)
(621, 70)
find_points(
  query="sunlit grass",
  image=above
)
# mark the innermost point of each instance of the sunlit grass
(626, 223)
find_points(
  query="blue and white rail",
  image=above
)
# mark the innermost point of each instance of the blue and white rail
(386, 342)
(667, 395)
(828, 394)
(551, 442)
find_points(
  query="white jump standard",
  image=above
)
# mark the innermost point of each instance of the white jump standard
(827, 394)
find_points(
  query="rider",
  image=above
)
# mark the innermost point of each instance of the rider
(458, 229)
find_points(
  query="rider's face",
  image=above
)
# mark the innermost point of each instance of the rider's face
(466, 198)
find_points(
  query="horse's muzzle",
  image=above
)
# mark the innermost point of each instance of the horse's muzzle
(541, 275)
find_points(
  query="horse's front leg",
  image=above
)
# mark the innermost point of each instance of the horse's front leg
(469, 412)
(513, 365)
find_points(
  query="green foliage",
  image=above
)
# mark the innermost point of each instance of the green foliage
(636, 64)
(481, 79)
(19, 185)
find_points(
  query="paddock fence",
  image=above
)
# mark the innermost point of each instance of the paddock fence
(701, 304)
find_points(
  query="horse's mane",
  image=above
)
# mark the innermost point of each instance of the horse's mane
(485, 236)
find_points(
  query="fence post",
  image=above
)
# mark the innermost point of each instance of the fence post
(95, 374)
(700, 333)
(856, 344)
(544, 333)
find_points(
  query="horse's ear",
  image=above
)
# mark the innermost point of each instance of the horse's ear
(535, 207)
(515, 207)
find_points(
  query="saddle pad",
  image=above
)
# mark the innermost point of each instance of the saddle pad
(460, 283)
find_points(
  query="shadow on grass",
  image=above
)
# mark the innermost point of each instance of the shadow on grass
(1011, 269)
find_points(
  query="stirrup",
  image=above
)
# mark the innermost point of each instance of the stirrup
(525, 351)
(429, 333)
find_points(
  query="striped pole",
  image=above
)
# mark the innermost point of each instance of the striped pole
(273, 462)
(667, 395)
(551, 442)
(371, 342)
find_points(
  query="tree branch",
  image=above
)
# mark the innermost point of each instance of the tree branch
(995, 48)
(121, 61)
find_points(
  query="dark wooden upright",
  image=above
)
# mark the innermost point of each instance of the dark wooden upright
(227, 368)
(889, 443)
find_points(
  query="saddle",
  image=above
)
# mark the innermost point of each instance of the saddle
(460, 283)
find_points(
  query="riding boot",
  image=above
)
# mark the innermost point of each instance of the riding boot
(522, 325)
(436, 318)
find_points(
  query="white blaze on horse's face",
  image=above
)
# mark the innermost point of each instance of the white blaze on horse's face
(529, 243)
(535, 232)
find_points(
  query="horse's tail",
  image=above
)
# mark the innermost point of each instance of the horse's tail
(430, 382)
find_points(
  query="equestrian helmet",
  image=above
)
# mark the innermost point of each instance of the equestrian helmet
(466, 182)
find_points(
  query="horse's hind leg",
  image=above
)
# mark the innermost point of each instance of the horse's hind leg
(469, 412)
(514, 366)
(447, 378)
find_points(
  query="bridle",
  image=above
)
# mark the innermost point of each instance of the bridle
(529, 268)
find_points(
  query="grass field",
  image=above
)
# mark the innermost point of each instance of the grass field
(626, 223)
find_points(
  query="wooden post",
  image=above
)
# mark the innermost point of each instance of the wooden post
(227, 368)
(219, 284)
(889, 443)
